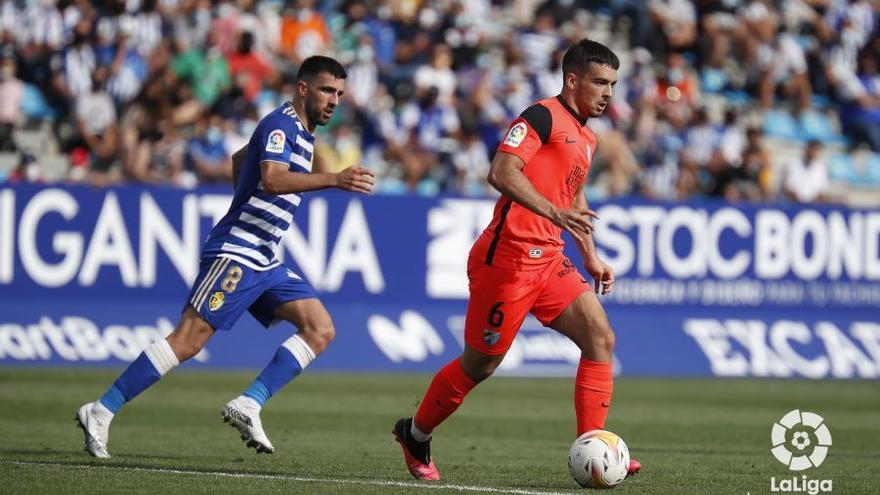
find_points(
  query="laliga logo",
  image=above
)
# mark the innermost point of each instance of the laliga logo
(800, 440)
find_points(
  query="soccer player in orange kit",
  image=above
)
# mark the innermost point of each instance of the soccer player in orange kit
(517, 265)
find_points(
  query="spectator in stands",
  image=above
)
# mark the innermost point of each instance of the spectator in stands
(757, 24)
(128, 67)
(249, 70)
(678, 90)
(363, 74)
(206, 72)
(192, 23)
(677, 23)
(432, 128)
(437, 74)
(166, 150)
(394, 132)
(806, 179)
(860, 112)
(96, 123)
(304, 32)
(72, 68)
(343, 150)
(719, 24)
(471, 165)
(540, 42)
(616, 166)
(206, 153)
(11, 93)
(783, 65)
(753, 179)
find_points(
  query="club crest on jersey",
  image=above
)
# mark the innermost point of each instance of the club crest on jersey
(491, 338)
(216, 301)
(516, 135)
(275, 144)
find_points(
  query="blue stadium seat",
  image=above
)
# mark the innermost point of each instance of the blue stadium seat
(816, 125)
(780, 124)
(713, 80)
(428, 187)
(391, 186)
(841, 168)
(736, 97)
(872, 170)
(34, 105)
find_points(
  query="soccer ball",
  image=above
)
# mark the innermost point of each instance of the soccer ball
(598, 459)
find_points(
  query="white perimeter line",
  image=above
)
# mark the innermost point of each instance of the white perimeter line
(344, 481)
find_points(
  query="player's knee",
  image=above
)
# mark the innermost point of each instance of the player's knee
(184, 349)
(479, 370)
(319, 334)
(604, 340)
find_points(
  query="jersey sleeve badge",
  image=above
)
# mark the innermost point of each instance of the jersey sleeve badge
(275, 143)
(516, 135)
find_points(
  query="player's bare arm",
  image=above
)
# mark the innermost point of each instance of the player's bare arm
(506, 175)
(278, 179)
(237, 162)
(602, 273)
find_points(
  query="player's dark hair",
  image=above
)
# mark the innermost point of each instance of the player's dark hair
(313, 66)
(578, 57)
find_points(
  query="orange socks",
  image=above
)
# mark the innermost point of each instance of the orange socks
(446, 393)
(592, 395)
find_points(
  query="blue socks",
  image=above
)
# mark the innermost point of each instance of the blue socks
(155, 361)
(290, 359)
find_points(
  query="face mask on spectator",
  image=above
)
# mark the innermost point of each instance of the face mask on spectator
(214, 134)
(365, 53)
(247, 127)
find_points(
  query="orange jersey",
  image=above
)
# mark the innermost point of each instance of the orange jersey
(557, 149)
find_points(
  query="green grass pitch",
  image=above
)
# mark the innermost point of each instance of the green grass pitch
(332, 435)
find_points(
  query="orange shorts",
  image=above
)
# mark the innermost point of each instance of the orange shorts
(500, 300)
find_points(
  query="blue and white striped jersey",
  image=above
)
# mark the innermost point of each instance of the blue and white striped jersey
(252, 228)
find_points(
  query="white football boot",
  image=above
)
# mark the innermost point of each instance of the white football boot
(95, 429)
(244, 414)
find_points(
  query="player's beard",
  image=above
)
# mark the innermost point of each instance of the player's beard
(316, 115)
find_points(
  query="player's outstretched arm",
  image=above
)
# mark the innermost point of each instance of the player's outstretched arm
(506, 175)
(278, 179)
(602, 273)
(237, 162)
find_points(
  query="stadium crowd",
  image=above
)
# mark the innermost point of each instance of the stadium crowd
(738, 99)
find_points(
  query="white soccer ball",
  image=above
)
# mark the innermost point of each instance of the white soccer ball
(598, 459)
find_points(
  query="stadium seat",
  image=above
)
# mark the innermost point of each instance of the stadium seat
(780, 124)
(871, 170)
(34, 105)
(816, 125)
(391, 186)
(737, 97)
(713, 80)
(841, 168)
(428, 187)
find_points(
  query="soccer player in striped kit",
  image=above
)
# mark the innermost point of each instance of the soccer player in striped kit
(239, 270)
(517, 265)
